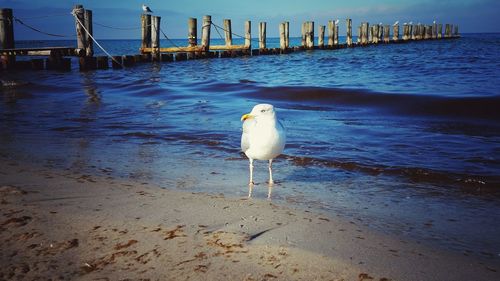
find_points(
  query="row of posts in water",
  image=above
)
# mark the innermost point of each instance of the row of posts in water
(150, 49)
(366, 35)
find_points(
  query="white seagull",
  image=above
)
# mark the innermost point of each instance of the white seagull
(263, 137)
(396, 23)
(336, 22)
(146, 9)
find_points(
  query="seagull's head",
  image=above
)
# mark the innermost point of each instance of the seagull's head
(260, 111)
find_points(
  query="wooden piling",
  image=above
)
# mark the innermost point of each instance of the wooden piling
(102, 62)
(387, 35)
(248, 34)
(380, 32)
(440, 31)
(413, 31)
(205, 33)
(359, 34)
(89, 43)
(455, 33)
(395, 32)
(287, 35)
(310, 35)
(262, 35)
(7, 38)
(155, 37)
(451, 30)
(375, 33)
(192, 32)
(331, 30)
(146, 31)
(421, 30)
(447, 31)
(80, 33)
(282, 36)
(336, 35)
(321, 37)
(434, 30)
(349, 32)
(365, 29)
(228, 35)
(303, 32)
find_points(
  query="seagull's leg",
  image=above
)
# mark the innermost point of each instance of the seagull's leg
(271, 182)
(251, 171)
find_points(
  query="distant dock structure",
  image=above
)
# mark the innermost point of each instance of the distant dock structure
(59, 58)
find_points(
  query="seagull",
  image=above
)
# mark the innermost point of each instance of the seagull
(336, 22)
(146, 9)
(411, 22)
(263, 137)
(396, 23)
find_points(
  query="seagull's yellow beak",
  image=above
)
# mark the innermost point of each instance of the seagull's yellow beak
(246, 116)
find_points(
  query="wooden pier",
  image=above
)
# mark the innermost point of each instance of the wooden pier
(150, 49)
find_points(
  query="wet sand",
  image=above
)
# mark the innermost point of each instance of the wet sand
(64, 225)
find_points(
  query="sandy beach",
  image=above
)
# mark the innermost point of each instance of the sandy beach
(63, 225)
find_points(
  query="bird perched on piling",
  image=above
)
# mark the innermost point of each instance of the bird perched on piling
(336, 22)
(396, 23)
(263, 137)
(146, 9)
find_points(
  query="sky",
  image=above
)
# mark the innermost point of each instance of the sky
(53, 16)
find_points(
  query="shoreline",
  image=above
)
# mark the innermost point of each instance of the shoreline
(67, 225)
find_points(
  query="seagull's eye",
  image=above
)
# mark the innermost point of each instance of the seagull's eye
(263, 110)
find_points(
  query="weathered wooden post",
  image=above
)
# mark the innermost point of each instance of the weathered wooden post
(440, 31)
(192, 32)
(331, 30)
(434, 30)
(359, 35)
(228, 35)
(248, 34)
(380, 32)
(336, 35)
(89, 43)
(310, 35)
(370, 34)
(456, 31)
(349, 32)
(421, 29)
(395, 32)
(205, 33)
(447, 31)
(146, 32)
(155, 38)
(287, 34)
(262, 36)
(7, 38)
(282, 36)
(80, 33)
(192, 37)
(321, 37)
(451, 30)
(414, 30)
(303, 32)
(365, 27)
(375, 33)
(387, 33)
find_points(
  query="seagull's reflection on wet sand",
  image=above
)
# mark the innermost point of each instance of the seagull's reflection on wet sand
(269, 190)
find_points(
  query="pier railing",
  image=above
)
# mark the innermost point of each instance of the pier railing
(150, 49)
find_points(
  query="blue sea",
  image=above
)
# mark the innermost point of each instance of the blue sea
(403, 138)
